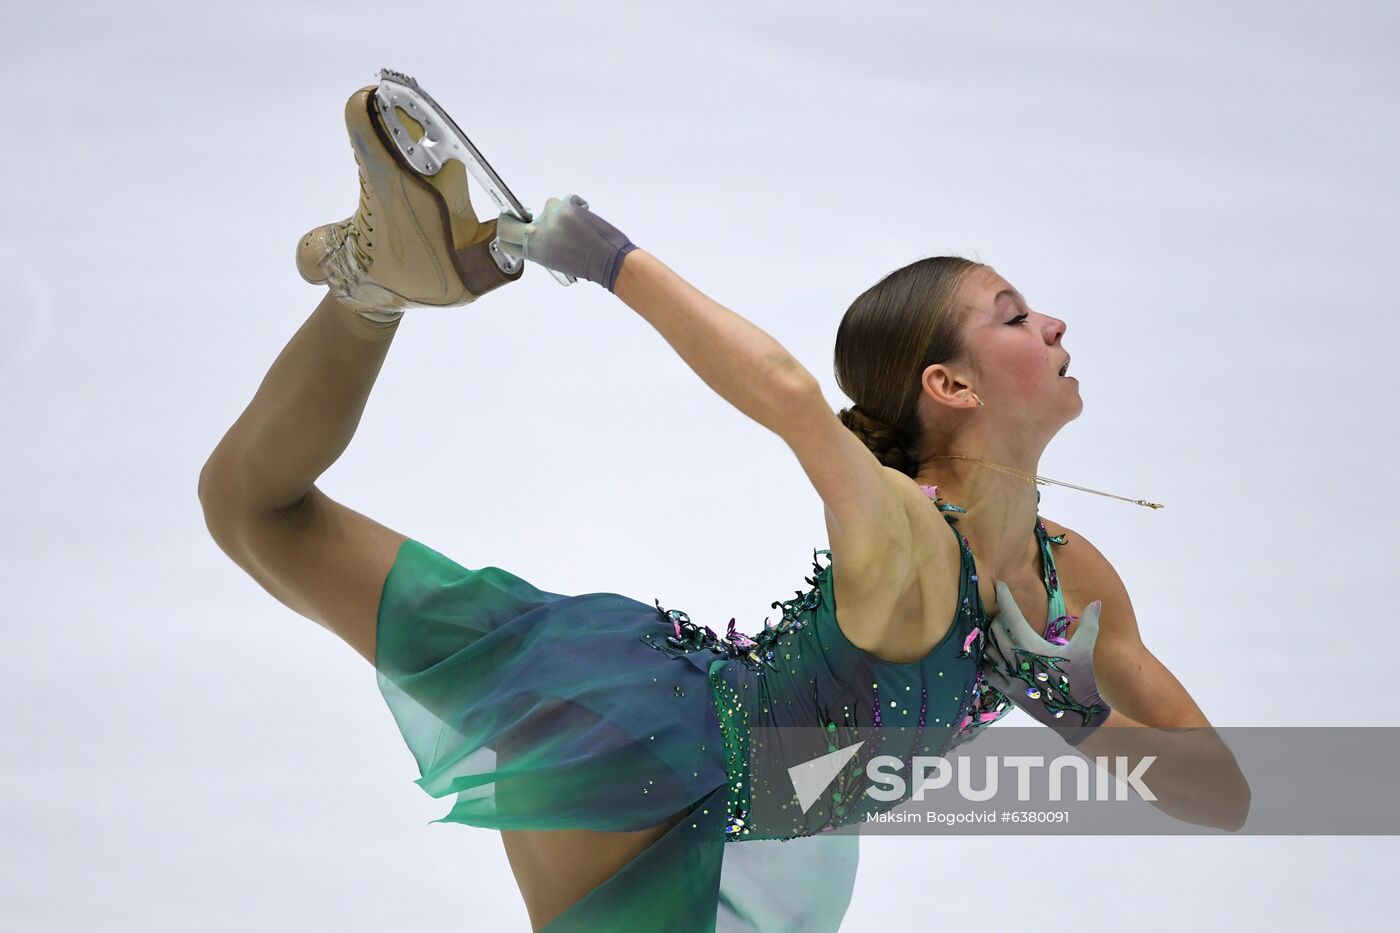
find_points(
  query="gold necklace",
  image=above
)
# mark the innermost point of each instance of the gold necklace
(1043, 480)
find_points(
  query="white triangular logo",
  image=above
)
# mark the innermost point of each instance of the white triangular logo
(810, 778)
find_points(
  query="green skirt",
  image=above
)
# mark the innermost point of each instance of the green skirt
(539, 710)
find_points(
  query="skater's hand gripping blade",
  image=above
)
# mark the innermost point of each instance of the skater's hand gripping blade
(437, 139)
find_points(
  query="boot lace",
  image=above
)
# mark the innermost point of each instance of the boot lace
(360, 223)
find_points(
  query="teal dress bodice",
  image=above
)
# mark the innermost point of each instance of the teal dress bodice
(988, 704)
(802, 671)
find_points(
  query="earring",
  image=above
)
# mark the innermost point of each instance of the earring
(979, 401)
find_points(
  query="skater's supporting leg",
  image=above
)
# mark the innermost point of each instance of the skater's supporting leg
(555, 869)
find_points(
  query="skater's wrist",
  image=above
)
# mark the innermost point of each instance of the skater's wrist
(626, 271)
(618, 263)
(1088, 737)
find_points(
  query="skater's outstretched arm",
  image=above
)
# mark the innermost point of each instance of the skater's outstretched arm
(871, 533)
(739, 360)
(868, 504)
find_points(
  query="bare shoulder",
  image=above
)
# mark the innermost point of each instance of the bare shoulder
(923, 517)
(1086, 574)
(916, 502)
(900, 612)
(898, 536)
(1079, 563)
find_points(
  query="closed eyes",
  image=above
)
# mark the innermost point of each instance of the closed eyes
(1018, 319)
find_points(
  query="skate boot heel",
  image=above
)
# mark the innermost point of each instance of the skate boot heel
(429, 140)
(475, 254)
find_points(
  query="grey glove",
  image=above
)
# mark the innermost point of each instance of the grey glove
(1047, 681)
(567, 237)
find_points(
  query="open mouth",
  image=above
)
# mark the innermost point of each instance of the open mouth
(1064, 370)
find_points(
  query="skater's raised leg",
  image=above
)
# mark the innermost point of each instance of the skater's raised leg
(412, 242)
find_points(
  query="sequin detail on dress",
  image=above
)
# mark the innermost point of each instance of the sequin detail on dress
(757, 653)
(803, 672)
(734, 726)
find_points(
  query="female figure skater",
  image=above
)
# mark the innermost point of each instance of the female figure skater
(608, 739)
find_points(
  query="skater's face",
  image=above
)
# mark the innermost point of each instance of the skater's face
(1013, 355)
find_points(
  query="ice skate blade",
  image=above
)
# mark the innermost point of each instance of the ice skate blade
(442, 139)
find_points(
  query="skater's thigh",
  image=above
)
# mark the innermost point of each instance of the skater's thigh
(320, 558)
(556, 868)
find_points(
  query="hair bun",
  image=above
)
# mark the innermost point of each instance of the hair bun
(886, 442)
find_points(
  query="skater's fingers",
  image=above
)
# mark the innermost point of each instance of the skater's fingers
(510, 229)
(1013, 625)
(1088, 631)
(550, 206)
(1026, 637)
(997, 647)
(1002, 644)
(1009, 638)
(1007, 610)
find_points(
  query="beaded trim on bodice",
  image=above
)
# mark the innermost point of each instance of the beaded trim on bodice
(756, 652)
(988, 703)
